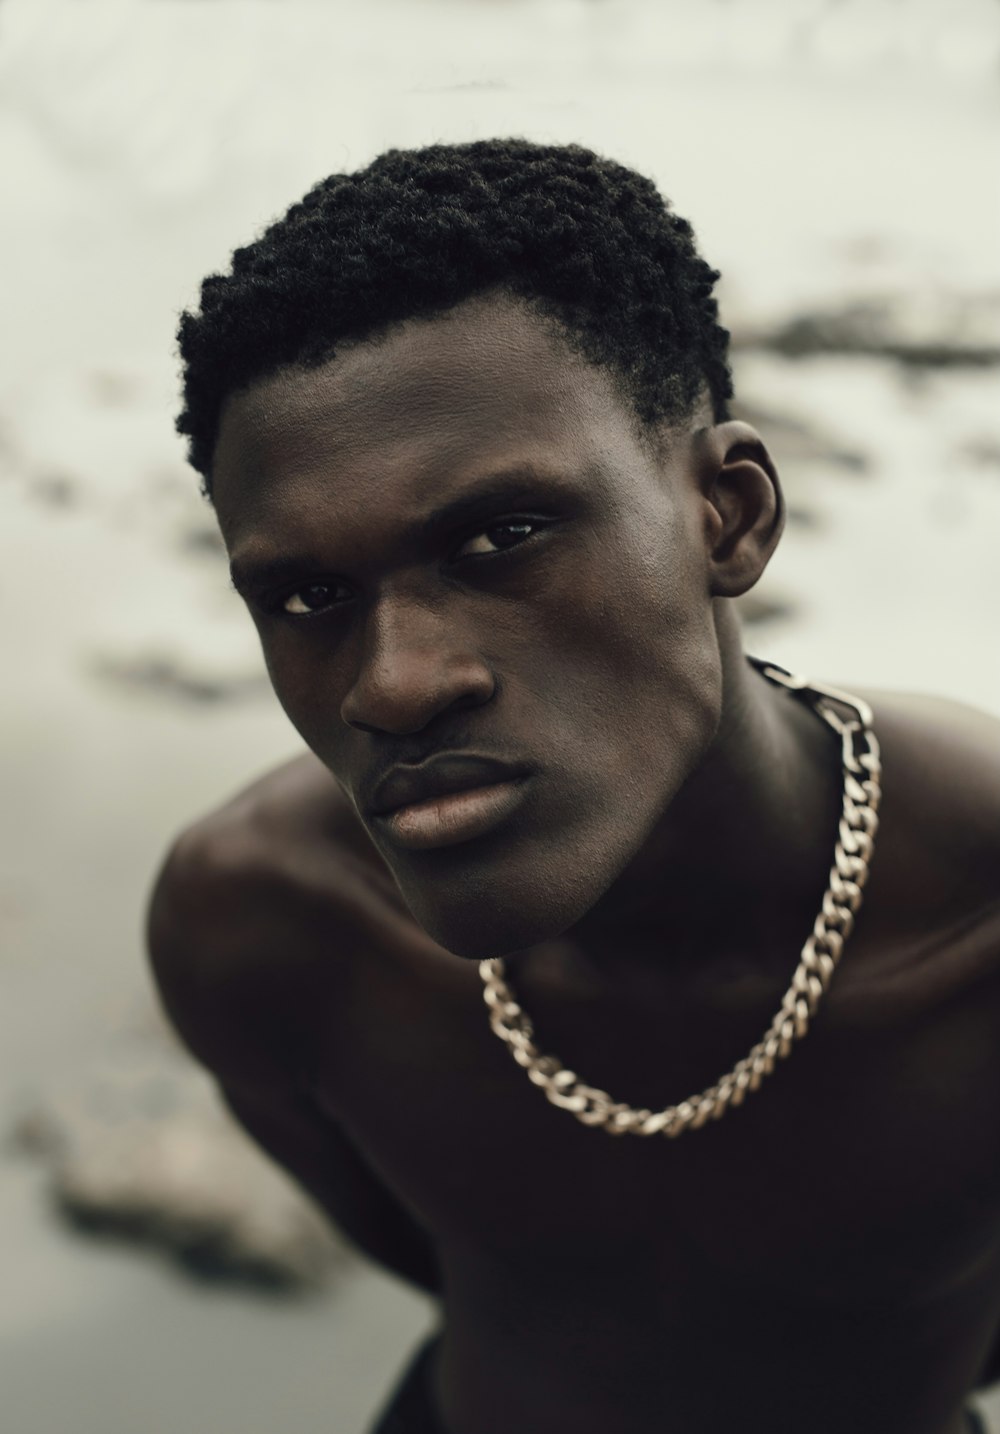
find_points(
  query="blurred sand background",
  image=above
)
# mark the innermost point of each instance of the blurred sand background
(839, 161)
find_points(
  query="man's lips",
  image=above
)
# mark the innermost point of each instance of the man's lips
(446, 799)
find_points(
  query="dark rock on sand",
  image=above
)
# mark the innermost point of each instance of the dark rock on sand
(142, 1151)
(948, 331)
(982, 451)
(161, 676)
(795, 442)
(55, 490)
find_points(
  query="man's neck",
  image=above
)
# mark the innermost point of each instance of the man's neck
(739, 862)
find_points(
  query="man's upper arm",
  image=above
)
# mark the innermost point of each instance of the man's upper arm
(213, 935)
(206, 940)
(333, 1171)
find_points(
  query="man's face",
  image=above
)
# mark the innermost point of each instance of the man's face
(484, 603)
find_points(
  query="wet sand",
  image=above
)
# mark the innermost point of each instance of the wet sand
(828, 160)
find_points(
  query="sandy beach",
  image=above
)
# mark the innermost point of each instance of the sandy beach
(832, 158)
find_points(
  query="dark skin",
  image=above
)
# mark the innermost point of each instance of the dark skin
(825, 1258)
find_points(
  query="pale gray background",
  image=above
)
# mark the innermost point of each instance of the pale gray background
(826, 152)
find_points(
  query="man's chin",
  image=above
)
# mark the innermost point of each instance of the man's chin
(480, 928)
(492, 898)
(477, 940)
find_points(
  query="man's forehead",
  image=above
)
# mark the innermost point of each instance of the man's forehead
(460, 388)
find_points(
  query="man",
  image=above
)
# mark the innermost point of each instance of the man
(463, 417)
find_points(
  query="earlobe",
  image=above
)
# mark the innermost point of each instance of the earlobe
(745, 507)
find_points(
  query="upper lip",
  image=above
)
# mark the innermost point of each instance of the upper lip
(437, 777)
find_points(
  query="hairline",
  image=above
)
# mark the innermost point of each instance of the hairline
(653, 434)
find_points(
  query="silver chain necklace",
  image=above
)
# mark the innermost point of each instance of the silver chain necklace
(820, 954)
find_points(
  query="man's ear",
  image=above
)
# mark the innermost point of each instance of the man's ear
(744, 505)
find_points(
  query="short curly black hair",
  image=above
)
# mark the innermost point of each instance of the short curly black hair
(586, 241)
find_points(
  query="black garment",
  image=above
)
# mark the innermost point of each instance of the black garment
(411, 1408)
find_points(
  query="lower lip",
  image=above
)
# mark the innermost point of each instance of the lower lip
(457, 817)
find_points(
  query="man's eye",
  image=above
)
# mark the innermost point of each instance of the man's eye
(496, 538)
(312, 598)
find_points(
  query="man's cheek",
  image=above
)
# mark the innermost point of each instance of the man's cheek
(307, 697)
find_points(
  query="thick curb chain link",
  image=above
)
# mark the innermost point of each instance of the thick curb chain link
(822, 951)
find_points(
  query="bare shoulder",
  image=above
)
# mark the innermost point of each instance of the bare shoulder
(947, 767)
(941, 799)
(259, 907)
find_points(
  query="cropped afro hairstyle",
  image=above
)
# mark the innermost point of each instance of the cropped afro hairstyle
(584, 240)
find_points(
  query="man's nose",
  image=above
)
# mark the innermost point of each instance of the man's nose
(416, 663)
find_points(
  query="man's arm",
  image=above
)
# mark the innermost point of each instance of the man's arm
(216, 920)
(330, 1168)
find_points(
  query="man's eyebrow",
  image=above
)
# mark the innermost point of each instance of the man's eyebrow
(480, 498)
(513, 485)
(252, 574)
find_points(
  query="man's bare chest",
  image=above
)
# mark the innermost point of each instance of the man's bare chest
(861, 1169)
